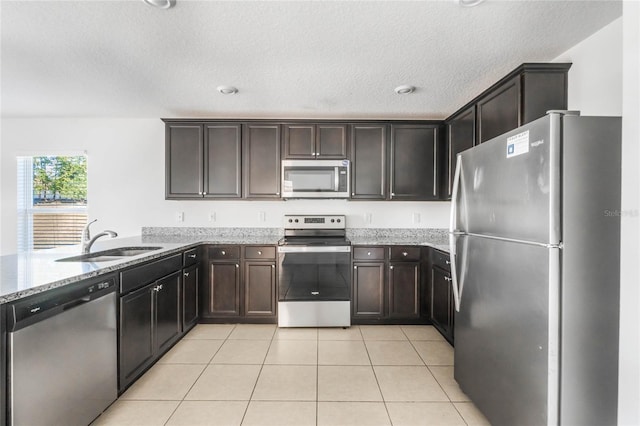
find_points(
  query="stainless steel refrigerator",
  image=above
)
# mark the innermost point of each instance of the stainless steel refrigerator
(535, 236)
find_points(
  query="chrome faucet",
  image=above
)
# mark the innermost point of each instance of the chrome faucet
(87, 241)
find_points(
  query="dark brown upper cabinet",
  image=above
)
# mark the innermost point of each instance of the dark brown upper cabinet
(184, 160)
(523, 95)
(203, 160)
(315, 141)
(369, 161)
(460, 130)
(414, 162)
(222, 166)
(261, 164)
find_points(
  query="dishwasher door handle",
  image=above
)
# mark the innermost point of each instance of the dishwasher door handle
(77, 302)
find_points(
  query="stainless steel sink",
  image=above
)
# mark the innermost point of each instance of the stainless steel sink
(109, 255)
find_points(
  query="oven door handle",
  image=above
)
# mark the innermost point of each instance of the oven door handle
(314, 249)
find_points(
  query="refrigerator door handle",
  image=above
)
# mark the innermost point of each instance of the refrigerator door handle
(454, 196)
(454, 272)
(452, 236)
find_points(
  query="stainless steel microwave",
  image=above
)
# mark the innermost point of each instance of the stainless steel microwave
(315, 178)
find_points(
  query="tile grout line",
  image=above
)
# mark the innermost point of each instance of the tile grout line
(258, 376)
(199, 375)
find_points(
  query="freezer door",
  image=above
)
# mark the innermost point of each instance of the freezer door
(506, 347)
(509, 186)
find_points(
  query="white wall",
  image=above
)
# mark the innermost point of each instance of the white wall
(126, 182)
(604, 81)
(629, 409)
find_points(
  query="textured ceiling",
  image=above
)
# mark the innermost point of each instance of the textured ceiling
(320, 59)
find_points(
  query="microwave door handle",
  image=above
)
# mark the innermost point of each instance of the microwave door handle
(336, 179)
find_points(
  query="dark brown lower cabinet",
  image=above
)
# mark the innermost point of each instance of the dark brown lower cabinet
(404, 290)
(241, 284)
(368, 290)
(190, 285)
(150, 323)
(223, 289)
(441, 295)
(260, 297)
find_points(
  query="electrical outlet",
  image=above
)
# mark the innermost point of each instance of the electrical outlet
(180, 217)
(368, 217)
(212, 217)
(416, 218)
(263, 216)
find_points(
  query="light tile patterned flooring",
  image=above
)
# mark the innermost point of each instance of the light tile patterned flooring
(250, 374)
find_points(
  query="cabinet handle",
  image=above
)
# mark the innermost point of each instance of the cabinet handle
(273, 266)
(353, 194)
(277, 193)
(199, 192)
(158, 287)
(186, 274)
(259, 252)
(390, 267)
(193, 256)
(447, 278)
(237, 266)
(393, 194)
(204, 193)
(404, 253)
(447, 262)
(368, 253)
(355, 267)
(223, 253)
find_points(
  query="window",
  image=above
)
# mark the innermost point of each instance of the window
(52, 201)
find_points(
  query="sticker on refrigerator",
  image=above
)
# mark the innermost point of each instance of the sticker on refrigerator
(518, 144)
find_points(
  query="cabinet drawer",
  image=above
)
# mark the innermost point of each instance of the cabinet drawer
(133, 278)
(260, 252)
(368, 253)
(190, 257)
(224, 253)
(400, 253)
(440, 259)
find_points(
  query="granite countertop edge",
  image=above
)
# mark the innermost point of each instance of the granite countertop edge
(172, 244)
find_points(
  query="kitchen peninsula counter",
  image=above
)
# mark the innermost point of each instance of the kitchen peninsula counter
(26, 274)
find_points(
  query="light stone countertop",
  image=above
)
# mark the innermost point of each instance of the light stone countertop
(22, 275)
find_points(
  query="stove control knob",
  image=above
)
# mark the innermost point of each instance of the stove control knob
(333, 220)
(338, 220)
(290, 220)
(296, 221)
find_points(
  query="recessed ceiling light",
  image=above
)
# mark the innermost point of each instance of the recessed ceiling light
(469, 3)
(227, 90)
(161, 4)
(405, 89)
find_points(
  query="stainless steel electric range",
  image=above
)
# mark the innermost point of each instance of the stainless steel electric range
(314, 275)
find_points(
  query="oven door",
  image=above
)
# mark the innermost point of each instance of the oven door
(314, 273)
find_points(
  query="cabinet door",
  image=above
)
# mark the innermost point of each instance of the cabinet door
(368, 290)
(499, 111)
(190, 279)
(441, 301)
(136, 333)
(299, 141)
(223, 154)
(224, 289)
(460, 136)
(184, 160)
(168, 314)
(414, 162)
(260, 289)
(404, 290)
(261, 167)
(331, 141)
(369, 162)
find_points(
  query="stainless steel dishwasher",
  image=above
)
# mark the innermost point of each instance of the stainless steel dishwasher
(63, 355)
